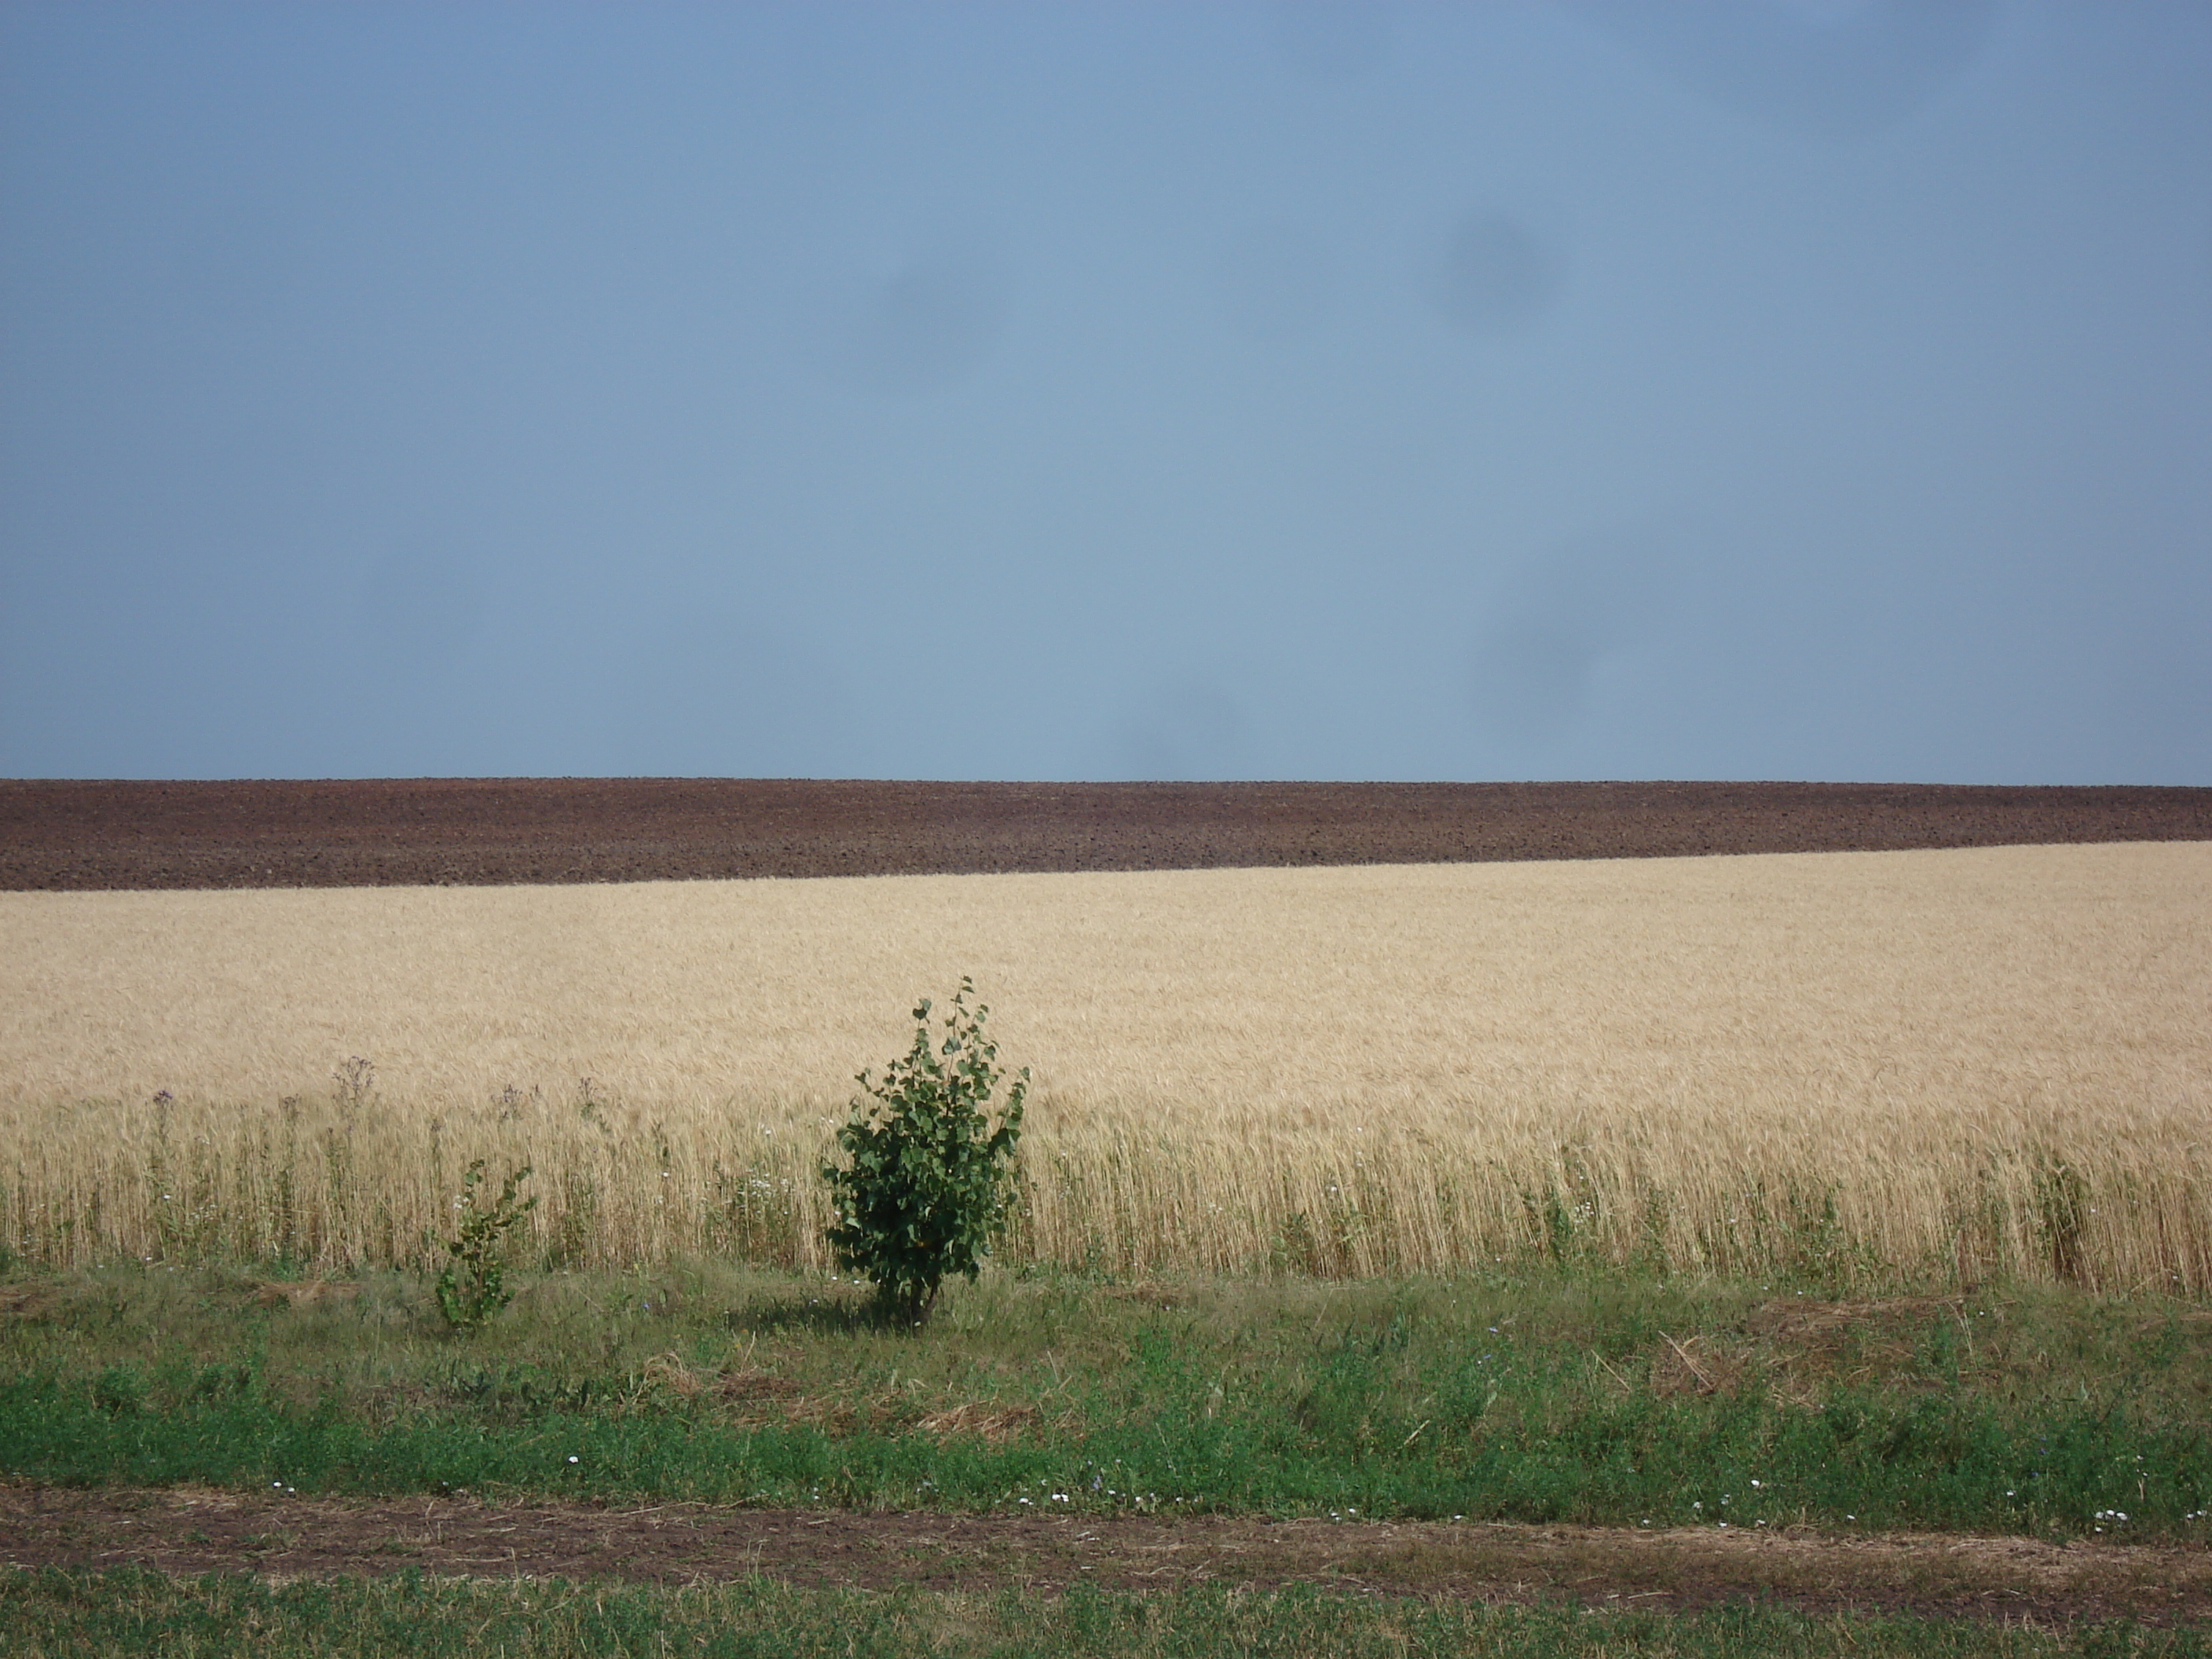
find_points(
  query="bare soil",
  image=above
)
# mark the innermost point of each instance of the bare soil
(476, 832)
(280, 1536)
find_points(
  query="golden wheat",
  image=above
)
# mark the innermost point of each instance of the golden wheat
(1966, 1062)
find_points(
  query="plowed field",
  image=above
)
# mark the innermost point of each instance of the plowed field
(486, 832)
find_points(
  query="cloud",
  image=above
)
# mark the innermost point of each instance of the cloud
(1554, 623)
(926, 328)
(1493, 274)
(1834, 70)
(923, 321)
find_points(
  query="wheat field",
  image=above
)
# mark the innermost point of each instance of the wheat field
(1963, 1063)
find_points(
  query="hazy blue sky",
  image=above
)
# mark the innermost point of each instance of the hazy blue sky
(1748, 388)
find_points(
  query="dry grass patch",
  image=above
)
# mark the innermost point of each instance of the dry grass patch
(993, 1423)
(752, 1396)
(303, 1293)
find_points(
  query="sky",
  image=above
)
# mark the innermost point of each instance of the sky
(1807, 389)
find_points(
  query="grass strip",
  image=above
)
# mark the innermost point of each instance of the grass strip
(1590, 1401)
(1934, 1463)
(58, 1615)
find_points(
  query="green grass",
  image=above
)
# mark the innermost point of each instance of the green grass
(52, 1614)
(1538, 1397)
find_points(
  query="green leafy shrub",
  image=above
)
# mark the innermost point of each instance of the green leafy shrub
(926, 1192)
(473, 1286)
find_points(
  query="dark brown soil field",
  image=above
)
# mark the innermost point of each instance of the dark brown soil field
(478, 832)
(183, 1532)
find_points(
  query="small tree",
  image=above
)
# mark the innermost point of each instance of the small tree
(926, 1191)
(473, 1287)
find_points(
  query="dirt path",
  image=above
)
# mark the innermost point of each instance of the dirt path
(186, 1532)
(477, 831)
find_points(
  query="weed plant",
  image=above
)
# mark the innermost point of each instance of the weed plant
(1553, 1395)
(473, 1286)
(56, 1615)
